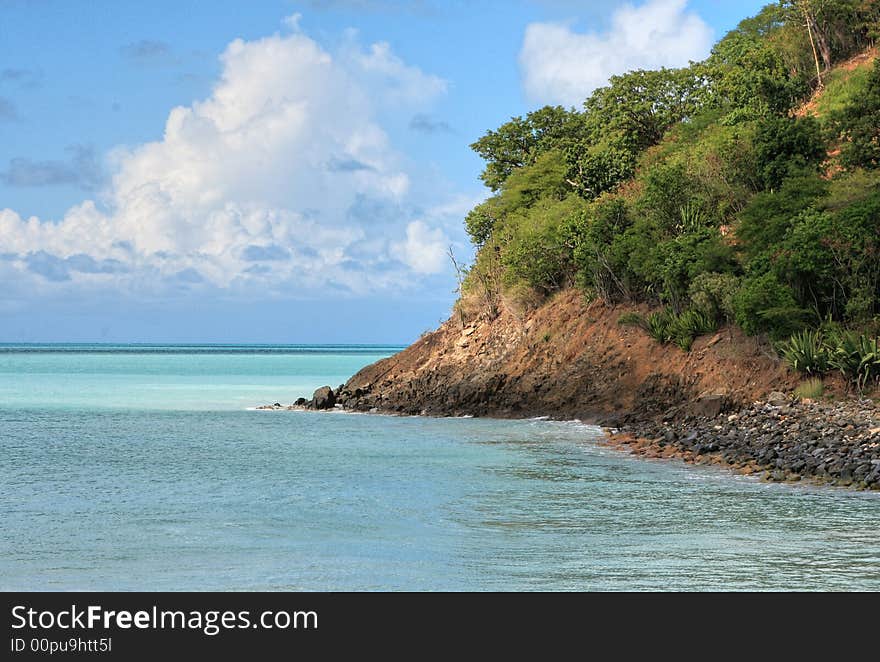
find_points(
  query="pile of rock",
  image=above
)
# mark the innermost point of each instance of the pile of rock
(788, 439)
(324, 398)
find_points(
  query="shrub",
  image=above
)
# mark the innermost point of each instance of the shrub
(857, 357)
(538, 247)
(765, 305)
(767, 216)
(659, 325)
(806, 352)
(784, 143)
(683, 258)
(714, 292)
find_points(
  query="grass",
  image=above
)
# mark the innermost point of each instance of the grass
(811, 389)
(841, 87)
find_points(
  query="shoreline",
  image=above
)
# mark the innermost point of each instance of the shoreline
(833, 443)
(780, 439)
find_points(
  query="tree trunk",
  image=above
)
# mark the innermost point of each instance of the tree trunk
(808, 18)
(821, 43)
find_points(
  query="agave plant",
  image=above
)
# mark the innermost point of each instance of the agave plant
(806, 352)
(857, 357)
(660, 325)
(691, 217)
(869, 363)
(695, 322)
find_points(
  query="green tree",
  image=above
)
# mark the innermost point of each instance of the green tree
(748, 72)
(640, 106)
(596, 169)
(858, 125)
(785, 144)
(768, 215)
(834, 29)
(520, 141)
(765, 305)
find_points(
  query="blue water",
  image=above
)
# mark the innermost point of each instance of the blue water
(142, 467)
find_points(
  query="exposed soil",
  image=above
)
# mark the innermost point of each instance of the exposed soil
(566, 359)
(726, 402)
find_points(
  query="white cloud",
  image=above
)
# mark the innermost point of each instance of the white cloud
(424, 249)
(559, 65)
(254, 186)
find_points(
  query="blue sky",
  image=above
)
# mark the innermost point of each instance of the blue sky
(276, 171)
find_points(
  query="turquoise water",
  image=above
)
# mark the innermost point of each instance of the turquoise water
(143, 468)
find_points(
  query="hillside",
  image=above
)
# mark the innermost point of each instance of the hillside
(693, 259)
(565, 359)
(706, 231)
(742, 191)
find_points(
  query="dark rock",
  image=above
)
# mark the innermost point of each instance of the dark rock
(777, 399)
(708, 406)
(324, 398)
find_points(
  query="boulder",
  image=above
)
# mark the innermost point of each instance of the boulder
(708, 406)
(777, 399)
(324, 398)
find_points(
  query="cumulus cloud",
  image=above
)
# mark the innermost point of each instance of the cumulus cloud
(263, 185)
(559, 65)
(424, 249)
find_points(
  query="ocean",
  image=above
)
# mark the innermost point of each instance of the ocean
(135, 467)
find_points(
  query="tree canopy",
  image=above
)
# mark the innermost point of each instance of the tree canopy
(711, 189)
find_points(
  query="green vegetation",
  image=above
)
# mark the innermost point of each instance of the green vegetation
(706, 191)
(855, 355)
(806, 352)
(666, 326)
(812, 388)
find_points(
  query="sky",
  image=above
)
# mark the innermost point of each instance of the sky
(277, 171)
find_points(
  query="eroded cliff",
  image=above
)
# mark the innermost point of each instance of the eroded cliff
(565, 359)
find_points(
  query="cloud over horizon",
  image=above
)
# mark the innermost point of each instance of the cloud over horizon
(561, 66)
(283, 179)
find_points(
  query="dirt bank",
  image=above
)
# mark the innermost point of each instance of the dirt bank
(726, 402)
(565, 359)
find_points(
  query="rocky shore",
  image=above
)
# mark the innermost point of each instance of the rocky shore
(781, 438)
(570, 359)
